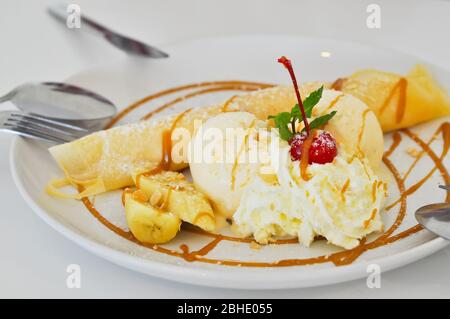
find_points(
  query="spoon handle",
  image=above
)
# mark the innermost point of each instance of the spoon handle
(7, 97)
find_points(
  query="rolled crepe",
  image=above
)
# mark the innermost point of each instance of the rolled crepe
(398, 102)
(107, 160)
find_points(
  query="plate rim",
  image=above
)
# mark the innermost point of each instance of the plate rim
(214, 277)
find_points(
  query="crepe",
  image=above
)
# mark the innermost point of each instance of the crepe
(398, 102)
(109, 159)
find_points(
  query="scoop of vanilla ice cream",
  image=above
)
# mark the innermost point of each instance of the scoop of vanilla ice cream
(220, 157)
(341, 202)
(354, 126)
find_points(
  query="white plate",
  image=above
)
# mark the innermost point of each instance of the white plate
(251, 58)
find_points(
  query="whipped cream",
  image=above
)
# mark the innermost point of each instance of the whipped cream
(341, 201)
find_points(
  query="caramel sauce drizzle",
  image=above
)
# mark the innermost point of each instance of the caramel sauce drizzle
(228, 103)
(444, 129)
(248, 240)
(166, 156)
(192, 256)
(359, 152)
(197, 93)
(124, 194)
(337, 85)
(363, 126)
(236, 160)
(344, 189)
(238, 85)
(340, 258)
(396, 138)
(374, 191)
(304, 161)
(419, 156)
(372, 216)
(334, 102)
(401, 86)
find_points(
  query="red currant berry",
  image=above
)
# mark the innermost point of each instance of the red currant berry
(323, 148)
(296, 143)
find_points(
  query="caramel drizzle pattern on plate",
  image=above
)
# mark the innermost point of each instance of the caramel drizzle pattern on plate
(340, 258)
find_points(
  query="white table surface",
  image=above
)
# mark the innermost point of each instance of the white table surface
(33, 257)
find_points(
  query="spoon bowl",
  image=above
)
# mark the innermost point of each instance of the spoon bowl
(435, 218)
(63, 102)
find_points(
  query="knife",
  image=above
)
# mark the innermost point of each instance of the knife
(124, 43)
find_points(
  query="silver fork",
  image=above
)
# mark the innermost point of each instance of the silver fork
(38, 127)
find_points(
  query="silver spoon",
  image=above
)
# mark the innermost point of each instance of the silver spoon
(63, 102)
(435, 218)
(121, 42)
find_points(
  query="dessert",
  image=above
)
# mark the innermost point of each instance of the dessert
(302, 162)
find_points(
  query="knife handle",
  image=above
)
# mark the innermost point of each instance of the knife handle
(60, 12)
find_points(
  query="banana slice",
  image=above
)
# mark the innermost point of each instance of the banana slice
(174, 193)
(149, 224)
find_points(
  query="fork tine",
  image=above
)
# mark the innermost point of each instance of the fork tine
(32, 134)
(49, 122)
(40, 130)
(40, 127)
(30, 124)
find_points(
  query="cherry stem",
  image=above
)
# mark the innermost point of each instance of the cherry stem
(288, 65)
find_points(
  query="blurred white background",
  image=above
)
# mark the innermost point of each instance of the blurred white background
(36, 47)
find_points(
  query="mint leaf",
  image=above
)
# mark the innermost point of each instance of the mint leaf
(285, 119)
(308, 104)
(321, 121)
(285, 134)
(312, 100)
(282, 120)
(296, 113)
